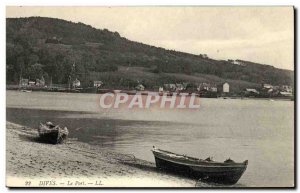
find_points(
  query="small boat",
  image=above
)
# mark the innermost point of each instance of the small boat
(24, 90)
(227, 172)
(51, 133)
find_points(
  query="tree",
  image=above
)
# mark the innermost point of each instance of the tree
(35, 71)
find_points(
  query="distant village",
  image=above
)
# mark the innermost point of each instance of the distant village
(206, 90)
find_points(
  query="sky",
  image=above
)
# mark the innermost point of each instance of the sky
(259, 34)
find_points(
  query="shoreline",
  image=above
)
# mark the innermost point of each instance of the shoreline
(129, 92)
(28, 159)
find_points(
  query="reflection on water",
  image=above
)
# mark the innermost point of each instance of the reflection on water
(257, 130)
(86, 128)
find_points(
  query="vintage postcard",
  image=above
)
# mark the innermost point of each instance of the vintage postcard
(177, 97)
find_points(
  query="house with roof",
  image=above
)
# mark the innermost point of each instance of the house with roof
(251, 92)
(175, 87)
(31, 83)
(207, 87)
(160, 89)
(24, 82)
(267, 86)
(286, 88)
(97, 83)
(140, 87)
(170, 87)
(285, 94)
(225, 87)
(76, 83)
(40, 82)
(180, 87)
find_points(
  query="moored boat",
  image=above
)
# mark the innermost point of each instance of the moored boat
(24, 90)
(227, 172)
(51, 133)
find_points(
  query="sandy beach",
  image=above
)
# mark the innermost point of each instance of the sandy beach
(75, 164)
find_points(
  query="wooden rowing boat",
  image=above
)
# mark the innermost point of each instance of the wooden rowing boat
(51, 133)
(227, 172)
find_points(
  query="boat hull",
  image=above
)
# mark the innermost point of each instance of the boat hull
(209, 173)
(50, 137)
(53, 136)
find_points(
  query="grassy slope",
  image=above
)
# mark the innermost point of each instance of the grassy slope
(135, 61)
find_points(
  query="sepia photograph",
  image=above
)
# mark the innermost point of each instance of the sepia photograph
(150, 97)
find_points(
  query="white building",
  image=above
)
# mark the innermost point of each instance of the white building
(287, 88)
(24, 82)
(161, 89)
(214, 89)
(267, 86)
(207, 87)
(180, 87)
(226, 87)
(170, 86)
(31, 83)
(76, 83)
(140, 87)
(252, 90)
(40, 82)
(98, 83)
(287, 94)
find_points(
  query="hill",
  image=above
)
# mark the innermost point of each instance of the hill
(49, 47)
